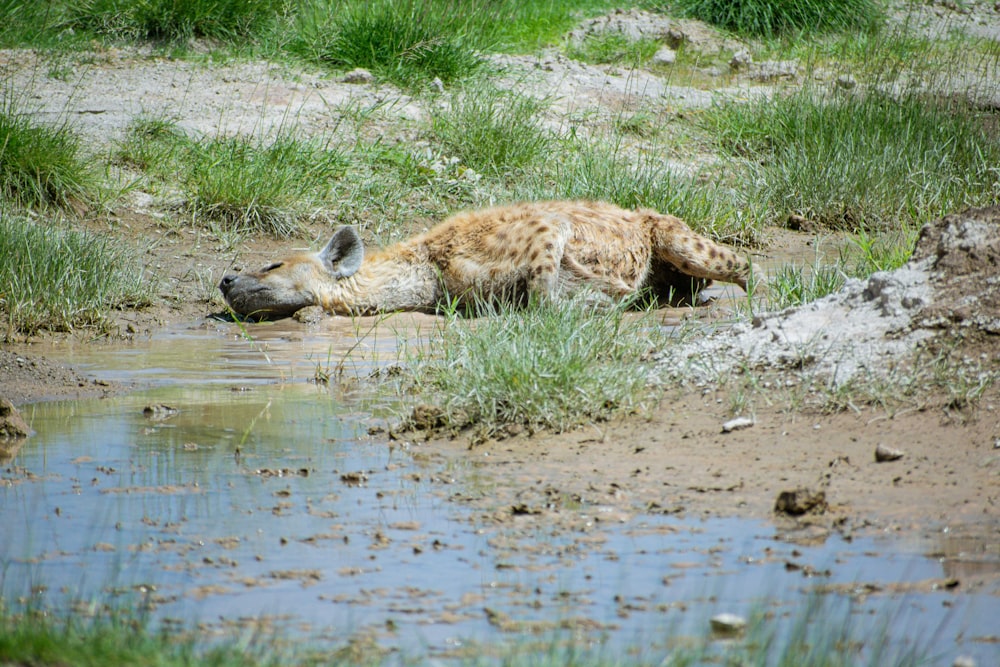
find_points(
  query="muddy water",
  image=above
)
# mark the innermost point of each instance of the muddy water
(257, 499)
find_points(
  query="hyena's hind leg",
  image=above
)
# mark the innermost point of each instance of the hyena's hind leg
(693, 254)
(546, 257)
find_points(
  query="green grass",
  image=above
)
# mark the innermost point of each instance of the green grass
(26, 22)
(604, 48)
(407, 42)
(116, 638)
(768, 18)
(864, 253)
(860, 161)
(494, 131)
(239, 183)
(175, 20)
(552, 365)
(40, 165)
(822, 634)
(60, 280)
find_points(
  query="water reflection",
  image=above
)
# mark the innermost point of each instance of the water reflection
(258, 494)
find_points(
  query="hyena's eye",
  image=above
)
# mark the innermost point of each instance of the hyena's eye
(274, 266)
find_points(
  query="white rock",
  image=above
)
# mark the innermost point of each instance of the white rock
(728, 623)
(736, 424)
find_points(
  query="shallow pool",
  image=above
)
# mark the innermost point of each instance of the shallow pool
(232, 490)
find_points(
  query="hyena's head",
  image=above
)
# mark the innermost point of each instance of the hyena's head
(296, 282)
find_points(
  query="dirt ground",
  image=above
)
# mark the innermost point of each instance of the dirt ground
(675, 459)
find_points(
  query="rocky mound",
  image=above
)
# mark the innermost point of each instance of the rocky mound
(950, 286)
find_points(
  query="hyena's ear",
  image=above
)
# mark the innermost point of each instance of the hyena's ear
(343, 255)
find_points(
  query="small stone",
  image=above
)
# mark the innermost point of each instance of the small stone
(728, 624)
(740, 60)
(796, 502)
(309, 315)
(737, 424)
(12, 425)
(884, 453)
(159, 412)
(675, 37)
(846, 81)
(665, 56)
(964, 661)
(359, 75)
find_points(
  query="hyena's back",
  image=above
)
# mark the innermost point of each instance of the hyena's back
(556, 246)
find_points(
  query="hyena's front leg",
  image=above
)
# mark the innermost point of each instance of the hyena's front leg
(693, 254)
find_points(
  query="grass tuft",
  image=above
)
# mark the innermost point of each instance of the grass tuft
(42, 166)
(407, 42)
(608, 173)
(176, 21)
(771, 18)
(493, 131)
(609, 47)
(863, 161)
(548, 365)
(241, 182)
(58, 280)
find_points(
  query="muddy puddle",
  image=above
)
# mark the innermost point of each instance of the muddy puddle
(232, 491)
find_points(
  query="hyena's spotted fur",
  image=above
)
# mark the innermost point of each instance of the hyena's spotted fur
(547, 248)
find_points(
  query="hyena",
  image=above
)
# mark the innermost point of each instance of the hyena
(549, 249)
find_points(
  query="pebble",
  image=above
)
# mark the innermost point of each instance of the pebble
(737, 424)
(728, 624)
(884, 454)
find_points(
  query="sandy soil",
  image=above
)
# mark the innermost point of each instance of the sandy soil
(677, 459)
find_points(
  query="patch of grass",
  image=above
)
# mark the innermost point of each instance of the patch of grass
(609, 47)
(40, 165)
(768, 18)
(28, 22)
(520, 26)
(408, 42)
(865, 252)
(639, 124)
(860, 161)
(176, 21)
(548, 365)
(112, 638)
(794, 285)
(871, 251)
(59, 280)
(822, 633)
(493, 131)
(241, 183)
